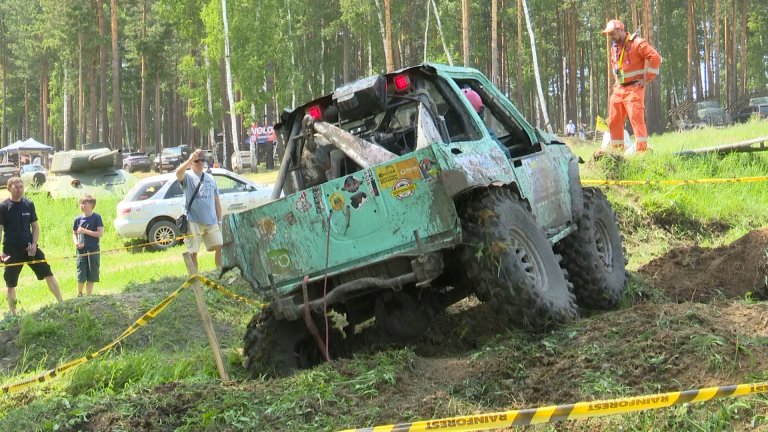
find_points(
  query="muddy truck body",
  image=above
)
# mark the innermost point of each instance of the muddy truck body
(400, 199)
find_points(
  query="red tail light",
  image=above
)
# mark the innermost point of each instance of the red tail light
(124, 211)
(402, 82)
(315, 112)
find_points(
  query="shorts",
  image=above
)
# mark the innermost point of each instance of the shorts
(210, 234)
(88, 266)
(19, 255)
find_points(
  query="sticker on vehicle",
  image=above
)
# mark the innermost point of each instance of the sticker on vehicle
(280, 261)
(267, 229)
(358, 200)
(337, 201)
(403, 188)
(371, 183)
(302, 204)
(407, 169)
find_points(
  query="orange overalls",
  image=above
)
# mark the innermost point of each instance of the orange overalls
(633, 60)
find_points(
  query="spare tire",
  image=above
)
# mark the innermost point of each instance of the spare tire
(593, 255)
(510, 263)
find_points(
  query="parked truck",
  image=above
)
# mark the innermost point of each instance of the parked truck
(401, 199)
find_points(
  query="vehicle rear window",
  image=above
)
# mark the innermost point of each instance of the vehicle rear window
(146, 191)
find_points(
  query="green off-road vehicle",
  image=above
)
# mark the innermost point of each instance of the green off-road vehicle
(401, 199)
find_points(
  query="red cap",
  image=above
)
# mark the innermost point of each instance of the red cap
(612, 25)
(474, 98)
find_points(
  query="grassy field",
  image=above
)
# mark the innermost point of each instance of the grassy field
(163, 377)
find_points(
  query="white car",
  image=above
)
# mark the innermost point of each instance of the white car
(149, 210)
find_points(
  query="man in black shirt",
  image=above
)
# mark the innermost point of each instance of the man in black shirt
(19, 231)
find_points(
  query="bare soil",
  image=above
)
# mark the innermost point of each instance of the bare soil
(469, 361)
(693, 273)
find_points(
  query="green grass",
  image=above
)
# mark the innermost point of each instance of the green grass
(163, 377)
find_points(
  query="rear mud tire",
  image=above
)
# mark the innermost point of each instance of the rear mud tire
(278, 347)
(163, 235)
(594, 255)
(510, 262)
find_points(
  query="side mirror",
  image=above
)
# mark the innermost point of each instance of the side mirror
(249, 188)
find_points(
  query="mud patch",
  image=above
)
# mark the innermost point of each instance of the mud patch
(693, 273)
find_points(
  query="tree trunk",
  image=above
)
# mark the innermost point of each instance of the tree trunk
(743, 63)
(226, 126)
(93, 116)
(388, 36)
(518, 60)
(44, 102)
(230, 94)
(386, 42)
(81, 131)
(211, 130)
(158, 117)
(571, 20)
(691, 49)
(708, 93)
(716, 62)
(536, 74)
(116, 103)
(653, 109)
(440, 30)
(465, 31)
(345, 64)
(142, 141)
(67, 111)
(4, 64)
(103, 101)
(495, 78)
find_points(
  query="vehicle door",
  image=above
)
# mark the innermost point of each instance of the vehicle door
(174, 202)
(538, 166)
(233, 193)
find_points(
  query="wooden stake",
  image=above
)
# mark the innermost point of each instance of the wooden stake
(207, 323)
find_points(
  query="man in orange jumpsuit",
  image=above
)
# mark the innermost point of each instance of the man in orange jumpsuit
(635, 63)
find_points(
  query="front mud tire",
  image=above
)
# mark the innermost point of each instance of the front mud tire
(510, 262)
(594, 255)
(278, 347)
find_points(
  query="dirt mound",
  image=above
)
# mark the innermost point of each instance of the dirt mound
(693, 273)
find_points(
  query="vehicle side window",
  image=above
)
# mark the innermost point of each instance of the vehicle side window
(228, 184)
(147, 191)
(499, 121)
(174, 190)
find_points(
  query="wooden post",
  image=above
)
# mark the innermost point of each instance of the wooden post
(207, 323)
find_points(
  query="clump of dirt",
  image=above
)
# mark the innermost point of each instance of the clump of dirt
(693, 273)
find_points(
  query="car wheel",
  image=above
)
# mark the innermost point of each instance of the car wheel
(163, 234)
(38, 179)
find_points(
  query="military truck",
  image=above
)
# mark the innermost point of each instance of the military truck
(400, 200)
(74, 173)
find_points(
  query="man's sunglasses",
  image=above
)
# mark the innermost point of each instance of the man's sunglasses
(197, 160)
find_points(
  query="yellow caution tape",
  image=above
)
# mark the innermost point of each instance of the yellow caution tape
(571, 411)
(218, 287)
(179, 238)
(141, 322)
(674, 182)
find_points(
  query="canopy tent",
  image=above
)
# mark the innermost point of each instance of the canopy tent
(28, 146)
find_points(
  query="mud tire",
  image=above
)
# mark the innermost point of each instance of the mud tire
(511, 263)
(594, 255)
(278, 347)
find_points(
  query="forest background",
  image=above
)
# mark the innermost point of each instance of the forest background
(148, 74)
